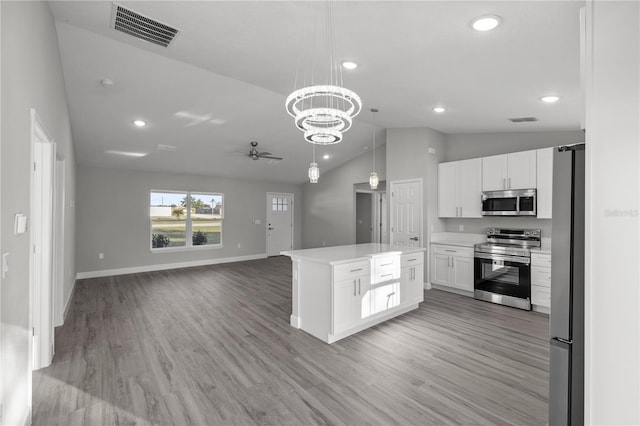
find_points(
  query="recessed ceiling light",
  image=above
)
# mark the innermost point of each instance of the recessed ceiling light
(326, 157)
(486, 22)
(439, 109)
(550, 99)
(127, 153)
(350, 65)
(140, 123)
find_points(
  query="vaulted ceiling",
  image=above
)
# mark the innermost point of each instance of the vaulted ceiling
(223, 81)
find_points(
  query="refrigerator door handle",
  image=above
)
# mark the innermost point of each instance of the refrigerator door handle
(565, 341)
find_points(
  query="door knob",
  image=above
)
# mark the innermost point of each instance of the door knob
(414, 238)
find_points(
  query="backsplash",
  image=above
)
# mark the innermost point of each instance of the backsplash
(480, 225)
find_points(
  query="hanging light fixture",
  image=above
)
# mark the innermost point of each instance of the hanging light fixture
(322, 110)
(373, 177)
(314, 171)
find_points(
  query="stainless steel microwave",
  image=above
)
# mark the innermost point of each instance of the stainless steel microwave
(517, 202)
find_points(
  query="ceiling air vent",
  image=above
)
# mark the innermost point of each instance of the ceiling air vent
(523, 119)
(142, 27)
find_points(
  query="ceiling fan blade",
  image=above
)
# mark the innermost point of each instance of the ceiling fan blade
(264, 153)
(271, 157)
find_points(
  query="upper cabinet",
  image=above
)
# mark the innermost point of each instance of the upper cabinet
(544, 186)
(459, 188)
(509, 171)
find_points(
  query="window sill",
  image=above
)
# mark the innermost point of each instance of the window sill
(192, 248)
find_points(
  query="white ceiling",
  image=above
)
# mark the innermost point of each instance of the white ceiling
(223, 82)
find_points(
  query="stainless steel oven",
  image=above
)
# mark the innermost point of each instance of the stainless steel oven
(502, 267)
(518, 202)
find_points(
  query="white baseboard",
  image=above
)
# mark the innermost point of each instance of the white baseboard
(67, 304)
(165, 266)
(453, 290)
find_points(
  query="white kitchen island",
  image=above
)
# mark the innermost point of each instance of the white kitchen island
(339, 291)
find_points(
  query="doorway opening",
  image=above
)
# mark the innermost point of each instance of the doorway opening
(41, 276)
(371, 212)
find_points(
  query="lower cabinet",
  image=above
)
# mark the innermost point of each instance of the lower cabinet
(541, 279)
(412, 278)
(351, 302)
(452, 266)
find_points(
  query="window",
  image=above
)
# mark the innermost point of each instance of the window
(185, 219)
(279, 204)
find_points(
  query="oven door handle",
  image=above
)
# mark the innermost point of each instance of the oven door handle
(503, 258)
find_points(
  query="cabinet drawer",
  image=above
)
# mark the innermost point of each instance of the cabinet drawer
(351, 270)
(540, 259)
(452, 250)
(541, 276)
(412, 259)
(385, 268)
(541, 296)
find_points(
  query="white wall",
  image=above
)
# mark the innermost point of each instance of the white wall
(328, 207)
(408, 158)
(31, 78)
(613, 224)
(113, 218)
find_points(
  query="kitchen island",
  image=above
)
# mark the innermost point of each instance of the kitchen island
(339, 291)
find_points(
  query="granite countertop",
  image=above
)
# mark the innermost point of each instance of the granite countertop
(349, 253)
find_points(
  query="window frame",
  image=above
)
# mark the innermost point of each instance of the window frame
(188, 223)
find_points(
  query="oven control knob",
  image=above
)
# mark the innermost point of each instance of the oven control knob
(527, 234)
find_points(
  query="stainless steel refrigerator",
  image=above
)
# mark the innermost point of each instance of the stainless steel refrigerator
(566, 321)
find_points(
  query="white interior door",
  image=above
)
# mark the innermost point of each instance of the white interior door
(406, 212)
(41, 275)
(58, 241)
(279, 223)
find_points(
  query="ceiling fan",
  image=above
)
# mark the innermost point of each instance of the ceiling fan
(256, 155)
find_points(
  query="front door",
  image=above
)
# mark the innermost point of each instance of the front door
(406, 212)
(279, 223)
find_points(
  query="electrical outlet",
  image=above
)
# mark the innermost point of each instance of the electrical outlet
(100, 256)
(238, 245)
(5, 265)
(460, 228)
(256, 221)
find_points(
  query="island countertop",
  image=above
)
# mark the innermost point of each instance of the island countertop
(344, 254)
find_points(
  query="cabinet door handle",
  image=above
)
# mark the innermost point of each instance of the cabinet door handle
(387, 264)
(411, 260)
(450, 251)
(359, 289)
(354, 287)
(356, 270)
(386, 275)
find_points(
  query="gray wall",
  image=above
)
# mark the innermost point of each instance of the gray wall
(464, 146)
(328, 207)
(31, 78)
(113, 217)
(471, 145)
(408, 157)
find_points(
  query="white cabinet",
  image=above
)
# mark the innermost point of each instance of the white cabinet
(412, 278)
(351, 295)
(544, 177)
(516, 170)
(452, 266)
(541, 279)
(459, 188)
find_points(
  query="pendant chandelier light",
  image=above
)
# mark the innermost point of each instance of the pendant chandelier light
(373, 177)
(314, 171)
(322, 108)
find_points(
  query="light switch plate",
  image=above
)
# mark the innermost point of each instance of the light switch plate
(19, 224)
(5, 265)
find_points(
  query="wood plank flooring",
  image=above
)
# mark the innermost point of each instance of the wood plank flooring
(213, 346)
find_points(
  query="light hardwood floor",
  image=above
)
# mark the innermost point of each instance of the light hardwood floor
(213, 346)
